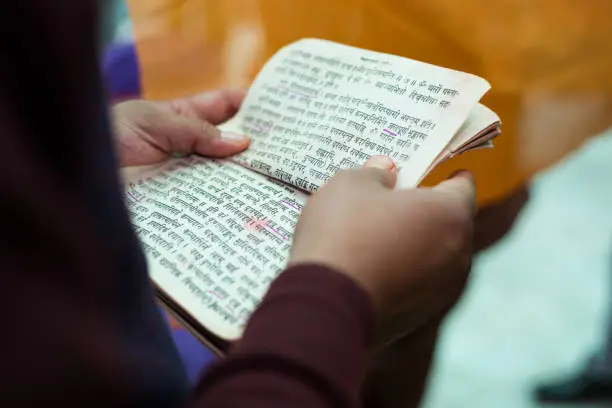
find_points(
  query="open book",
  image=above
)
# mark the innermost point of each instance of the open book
(217, 232)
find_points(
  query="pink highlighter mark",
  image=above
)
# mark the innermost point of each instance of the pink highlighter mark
(277, 233)
(262, 129)
(289, 204)
(218, 296)
(134, 198)
(255, 225)
(296, 92)
(387, 131)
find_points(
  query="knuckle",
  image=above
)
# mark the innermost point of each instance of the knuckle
(208, 130)
(344, 176)
(360, 176)
(458, 227)
(181, 107)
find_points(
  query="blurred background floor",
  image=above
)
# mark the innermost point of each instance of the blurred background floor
(536, 305)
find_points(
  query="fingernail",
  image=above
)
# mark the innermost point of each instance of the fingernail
(381, 162)
(233, 137)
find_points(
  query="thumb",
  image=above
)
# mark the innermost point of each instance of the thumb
(215, 143)
(460, 187)
(193, 135)
(382, 169)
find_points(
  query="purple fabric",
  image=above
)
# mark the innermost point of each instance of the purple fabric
(194, 355)
(122, 71)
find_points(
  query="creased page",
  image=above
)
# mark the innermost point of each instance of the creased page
(480, 121)
(215, 235)
(319, 106)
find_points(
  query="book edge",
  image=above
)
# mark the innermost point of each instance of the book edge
(215, 343)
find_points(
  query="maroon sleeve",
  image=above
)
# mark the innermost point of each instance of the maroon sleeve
(81, 328)
(304, 347)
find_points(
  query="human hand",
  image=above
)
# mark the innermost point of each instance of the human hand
(397, 374)
(148, 132)
(409, 250)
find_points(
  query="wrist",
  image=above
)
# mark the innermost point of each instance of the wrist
(358, 276)
(309, 288)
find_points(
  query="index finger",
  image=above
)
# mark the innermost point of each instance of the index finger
(214, 107)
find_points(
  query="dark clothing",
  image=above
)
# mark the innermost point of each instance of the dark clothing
(599, 366)
(81, 326)
(304, 347)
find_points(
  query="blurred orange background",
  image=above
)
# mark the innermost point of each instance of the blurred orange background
(549, 61)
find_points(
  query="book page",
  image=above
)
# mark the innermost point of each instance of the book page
(480, 119)
(215, 235)
(318, 106)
